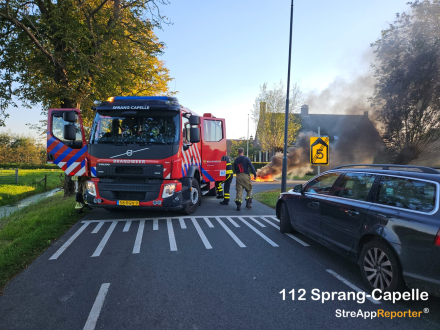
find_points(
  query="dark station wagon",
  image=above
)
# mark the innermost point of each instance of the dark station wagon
(385, 217)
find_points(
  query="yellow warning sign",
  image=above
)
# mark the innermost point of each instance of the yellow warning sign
(319, 150)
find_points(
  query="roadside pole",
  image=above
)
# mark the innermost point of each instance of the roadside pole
(286, 116)
(319, 135)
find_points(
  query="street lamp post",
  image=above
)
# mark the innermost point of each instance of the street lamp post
(286, 117)
(247, 138)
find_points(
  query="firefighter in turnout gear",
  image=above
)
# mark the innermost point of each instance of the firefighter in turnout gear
(243, 179)
(227, 182)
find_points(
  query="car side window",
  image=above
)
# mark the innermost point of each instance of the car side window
(355, 186)
(322, 184)
(406, 193)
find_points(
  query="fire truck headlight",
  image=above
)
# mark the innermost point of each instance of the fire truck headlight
(168, 190)
(90, 187)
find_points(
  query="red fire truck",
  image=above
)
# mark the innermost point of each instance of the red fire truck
(142, 152)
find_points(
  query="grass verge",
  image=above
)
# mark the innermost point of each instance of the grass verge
(27, 233)
(268, 197)
(27, 184)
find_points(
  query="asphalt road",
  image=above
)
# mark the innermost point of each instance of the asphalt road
(220, 269)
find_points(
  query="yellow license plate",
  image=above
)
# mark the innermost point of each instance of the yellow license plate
(129, 203)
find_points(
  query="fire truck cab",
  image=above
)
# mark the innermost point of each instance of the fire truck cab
(147, 152)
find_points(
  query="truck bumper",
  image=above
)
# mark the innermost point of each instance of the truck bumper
(170, 203)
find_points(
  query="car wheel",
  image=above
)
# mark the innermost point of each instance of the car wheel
(285, 225)
(380, 267)
(191, 207)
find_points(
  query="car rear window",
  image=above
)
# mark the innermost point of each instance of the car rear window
(407, 193)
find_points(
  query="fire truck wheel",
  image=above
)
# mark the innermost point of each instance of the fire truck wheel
(191, 207)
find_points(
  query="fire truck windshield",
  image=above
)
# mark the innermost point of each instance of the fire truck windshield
(139, 128)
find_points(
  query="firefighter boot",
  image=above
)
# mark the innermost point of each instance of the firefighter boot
(224, 202)
(219, 195)
(249, 203)
(238, 205)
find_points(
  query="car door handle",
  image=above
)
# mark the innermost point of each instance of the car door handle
(352, 212)
(314, 205)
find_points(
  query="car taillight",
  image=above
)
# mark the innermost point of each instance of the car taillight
(437, 238)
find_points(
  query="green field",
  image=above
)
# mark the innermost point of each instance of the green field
(27, 233)
(27, 184)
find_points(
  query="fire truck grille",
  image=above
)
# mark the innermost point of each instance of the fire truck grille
(129, 170)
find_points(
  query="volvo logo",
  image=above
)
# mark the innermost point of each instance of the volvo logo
(129, 152)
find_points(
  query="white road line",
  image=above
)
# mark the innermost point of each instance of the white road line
(210, 225)
(257, 222)
(137, 243)
(68, 242)
(234, 237)
(233, 222)
(351, 285)
(182, 223)
(184, 217)
(201, 234)
(259, 233)
(97, 306)
(297, 239)
(104, 240)
(98, 227)
(173, 245)
(270, 222)
(155, 224)
(127, 226)
(273, 218)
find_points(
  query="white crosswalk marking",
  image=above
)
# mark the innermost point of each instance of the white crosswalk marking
(233, 222)
(98, 227)
(270, 222)
(104, 240)
(68, 242)
(257, 222)
(259, 233)
(273, 218)
(173, 245)
(297, 239)
(234, 237)
(201, 234)
(210, 225)
(264, 221)
(137, 243)
(127, 226)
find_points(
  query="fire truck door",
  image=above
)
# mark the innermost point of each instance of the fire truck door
(213, 148)
(69, 155)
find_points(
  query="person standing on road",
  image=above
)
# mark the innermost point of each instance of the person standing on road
(243, 179)
(227, 182)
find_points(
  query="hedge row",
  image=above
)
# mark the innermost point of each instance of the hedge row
(29, 166)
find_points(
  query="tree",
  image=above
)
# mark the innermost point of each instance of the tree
(407, 87)
(67, 53)
(242, 143)
(269, 113)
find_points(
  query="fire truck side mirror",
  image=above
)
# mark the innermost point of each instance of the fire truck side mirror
(69, 116)
(194, 134)
(69, 132)
(194, 120)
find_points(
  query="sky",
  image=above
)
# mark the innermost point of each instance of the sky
(220, 53)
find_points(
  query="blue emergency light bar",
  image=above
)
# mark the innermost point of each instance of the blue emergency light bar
(144, 98)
